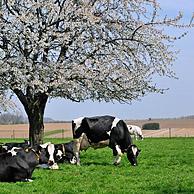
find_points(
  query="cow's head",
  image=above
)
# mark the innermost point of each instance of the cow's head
(59, 152)
(77, 127)
(47, 153)
(51, 152)
(132, 154)
(43, 159)
(63, 154)
(141, 137)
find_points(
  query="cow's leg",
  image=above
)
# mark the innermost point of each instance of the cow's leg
(117, 153)
(84, 143)
(100, 144)
(76, 149)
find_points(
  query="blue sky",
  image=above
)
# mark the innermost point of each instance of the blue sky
(177, 101)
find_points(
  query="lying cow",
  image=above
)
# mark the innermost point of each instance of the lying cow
(18, 164)
(64, 153)
(47, 153)
(136, 131)
(100, 129)
(9, 146)
(48, 156)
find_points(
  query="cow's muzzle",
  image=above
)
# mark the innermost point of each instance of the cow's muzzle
(50, 162)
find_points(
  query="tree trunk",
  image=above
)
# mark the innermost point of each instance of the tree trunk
(36, 123)
(34, 106)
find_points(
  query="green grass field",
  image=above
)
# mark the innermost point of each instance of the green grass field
(166, 166)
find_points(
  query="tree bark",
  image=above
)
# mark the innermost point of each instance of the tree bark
(36, 121)
(34, 106)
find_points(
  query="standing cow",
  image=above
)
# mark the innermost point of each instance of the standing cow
(102, 128)
(136, 131)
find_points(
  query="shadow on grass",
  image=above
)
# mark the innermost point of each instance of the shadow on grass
(172, 190)
(97, 164)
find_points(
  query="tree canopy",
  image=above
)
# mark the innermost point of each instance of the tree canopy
(6, 103)
(89, 49)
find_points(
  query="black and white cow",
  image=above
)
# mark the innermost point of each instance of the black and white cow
(47, 156)
(18, 164)
(98, 130)
(47, 152)
(136, 131)
(64, 153)
(8, 146)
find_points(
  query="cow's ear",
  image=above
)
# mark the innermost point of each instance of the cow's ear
(38, 149)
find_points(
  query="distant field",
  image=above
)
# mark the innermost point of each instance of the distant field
(169, 127)
(21, 130)
(167, 123)
(178, 127)
(166, 166)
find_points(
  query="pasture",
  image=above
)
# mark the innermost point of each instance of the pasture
(165, 166)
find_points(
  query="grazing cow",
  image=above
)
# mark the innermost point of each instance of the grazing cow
(136, 131)
(102, 128)
(18, 164)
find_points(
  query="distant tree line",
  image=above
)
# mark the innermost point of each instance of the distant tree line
(188, 117)
(10, 118)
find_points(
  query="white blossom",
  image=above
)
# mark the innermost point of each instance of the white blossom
(85, 49)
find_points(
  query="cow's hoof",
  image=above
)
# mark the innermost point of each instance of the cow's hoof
(28, 180)
(77, 162)
(116, 163)
(54, 166)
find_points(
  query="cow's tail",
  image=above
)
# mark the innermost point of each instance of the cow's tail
(73, 128)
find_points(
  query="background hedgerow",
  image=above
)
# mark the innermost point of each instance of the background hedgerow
(151, 126)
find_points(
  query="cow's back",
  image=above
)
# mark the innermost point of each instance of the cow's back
(13, 168)
(96, 128)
